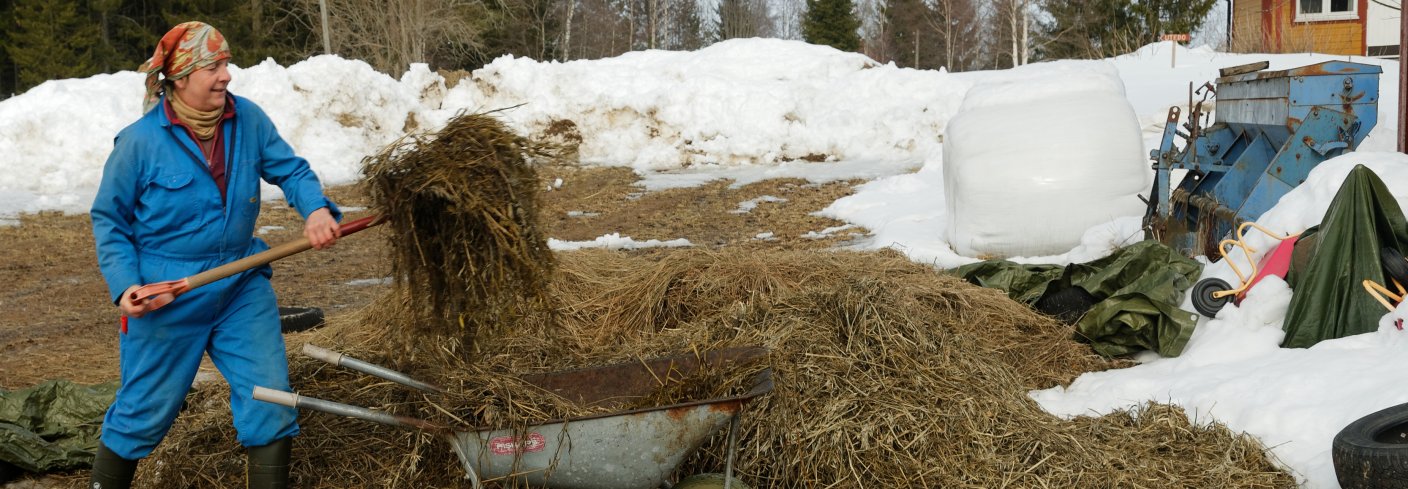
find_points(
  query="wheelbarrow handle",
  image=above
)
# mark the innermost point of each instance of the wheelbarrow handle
(340, 360)
(293, 400)
(304, 402)
(178, 287)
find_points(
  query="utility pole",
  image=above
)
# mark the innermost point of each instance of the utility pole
(1402, 73)
(323, 12)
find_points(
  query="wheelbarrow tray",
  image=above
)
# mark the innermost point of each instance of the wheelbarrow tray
(631, 449)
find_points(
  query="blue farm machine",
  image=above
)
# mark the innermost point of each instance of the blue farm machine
(1271, 128)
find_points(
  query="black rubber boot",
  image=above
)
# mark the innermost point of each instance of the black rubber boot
(268, 465)
(111, 471)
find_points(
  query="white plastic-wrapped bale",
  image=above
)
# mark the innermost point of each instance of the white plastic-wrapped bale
(1033, 159)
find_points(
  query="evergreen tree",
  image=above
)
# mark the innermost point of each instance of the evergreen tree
(51, 40)
(7, 67)
(1161, 17)
(1104, 28)
(833, 23)
(912, 41)
(255, 29)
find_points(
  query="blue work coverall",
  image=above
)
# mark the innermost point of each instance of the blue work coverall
(159, 216)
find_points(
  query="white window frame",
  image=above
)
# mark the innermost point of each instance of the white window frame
(1323, 15)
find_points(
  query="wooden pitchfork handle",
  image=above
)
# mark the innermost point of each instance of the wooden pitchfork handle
(178, 287)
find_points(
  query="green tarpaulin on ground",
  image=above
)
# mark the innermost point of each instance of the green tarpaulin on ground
(52, 426)
(1332, 260)
(1136, 291)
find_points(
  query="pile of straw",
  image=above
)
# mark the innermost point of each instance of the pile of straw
(887, 375)
(462, 205)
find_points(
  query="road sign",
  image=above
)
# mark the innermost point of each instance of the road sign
(1176, 37)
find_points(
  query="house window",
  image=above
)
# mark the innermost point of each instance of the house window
(1318, 10)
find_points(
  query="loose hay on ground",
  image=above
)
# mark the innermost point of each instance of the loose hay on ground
(887, 375)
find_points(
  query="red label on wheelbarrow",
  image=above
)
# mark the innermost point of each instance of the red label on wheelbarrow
(509, 445)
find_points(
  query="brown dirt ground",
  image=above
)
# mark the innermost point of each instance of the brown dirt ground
(60, 325)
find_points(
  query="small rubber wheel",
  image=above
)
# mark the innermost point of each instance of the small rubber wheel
(1372, 452)
(711, 480)
(1203, 300)
(295, 319)
(1394, 265)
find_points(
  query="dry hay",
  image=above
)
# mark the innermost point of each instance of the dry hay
(466, 246)
(887, 375)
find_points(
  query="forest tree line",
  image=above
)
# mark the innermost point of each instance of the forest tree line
(53, 39)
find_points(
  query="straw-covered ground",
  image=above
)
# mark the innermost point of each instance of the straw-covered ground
(887, 373)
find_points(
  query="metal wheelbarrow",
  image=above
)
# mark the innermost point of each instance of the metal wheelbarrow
(631, 449)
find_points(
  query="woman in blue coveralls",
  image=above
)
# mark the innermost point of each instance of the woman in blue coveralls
(180, 195)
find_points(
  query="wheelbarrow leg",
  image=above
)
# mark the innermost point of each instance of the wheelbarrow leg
(463, 455)
(732, 448)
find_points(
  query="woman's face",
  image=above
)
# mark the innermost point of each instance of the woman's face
(204, 89)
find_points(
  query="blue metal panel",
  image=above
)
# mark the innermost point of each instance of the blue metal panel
(1267, 193)
(1245, 172)
(1335, 90)
(1324, 134)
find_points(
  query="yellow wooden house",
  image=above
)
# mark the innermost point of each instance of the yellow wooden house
(1349, 27)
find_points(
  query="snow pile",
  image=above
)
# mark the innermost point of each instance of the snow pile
(337, 109)
(1035, 157)
(614, 241)
(735, 102)
(55, 137)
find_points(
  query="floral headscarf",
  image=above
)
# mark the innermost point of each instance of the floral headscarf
(184, 49)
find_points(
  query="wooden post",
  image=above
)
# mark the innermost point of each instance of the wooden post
(1402, 74)
(327, 42)
(1173, 40)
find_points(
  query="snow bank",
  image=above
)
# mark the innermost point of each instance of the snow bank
(332, 110)
(1037, 156)
(55, 137)
(736, 102)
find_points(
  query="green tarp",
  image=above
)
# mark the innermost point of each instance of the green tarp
(52, 426)
(1136, 291)
(1332, 260)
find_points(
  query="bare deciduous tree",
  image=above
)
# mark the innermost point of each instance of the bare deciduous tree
(1015, 18)
(392, 34)
(743, 18)
(958, 26)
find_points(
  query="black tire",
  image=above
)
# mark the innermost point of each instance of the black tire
(1394, 265)
(1067, 304)
(1203, 300)
(295, 319)
(1372, 452)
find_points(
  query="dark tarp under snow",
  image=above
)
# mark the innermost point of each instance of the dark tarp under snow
(52, 426)
(1135, 294)
(1332, 260)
